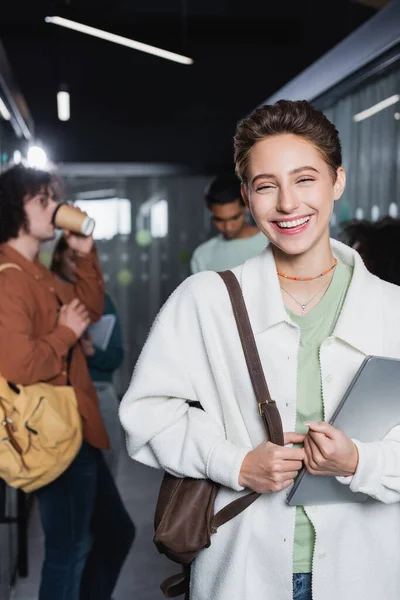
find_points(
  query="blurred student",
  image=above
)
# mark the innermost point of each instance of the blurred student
(87, 531)
(237, 239)
(102, 363)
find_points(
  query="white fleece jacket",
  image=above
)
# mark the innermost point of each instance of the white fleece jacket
(193, 353)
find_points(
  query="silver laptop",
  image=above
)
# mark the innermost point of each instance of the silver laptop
(368, 411)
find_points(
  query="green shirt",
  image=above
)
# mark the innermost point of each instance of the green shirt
(316, 326)
(219, 254)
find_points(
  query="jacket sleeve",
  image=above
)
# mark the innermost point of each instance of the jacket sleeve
(89, 287)
(378, 470)
(25, 359)
(162, 429)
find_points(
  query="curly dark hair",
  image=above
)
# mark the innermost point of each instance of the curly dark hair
(378, 245)
(17, 184)
(285, 116)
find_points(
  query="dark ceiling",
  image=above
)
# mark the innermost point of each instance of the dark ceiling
(128, 106)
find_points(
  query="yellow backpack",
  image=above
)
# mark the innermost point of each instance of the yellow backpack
(41, 431)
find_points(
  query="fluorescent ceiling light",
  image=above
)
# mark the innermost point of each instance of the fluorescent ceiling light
(63, 106)
(118, 39)
(37, 157)
(4, 112)
(376, 108)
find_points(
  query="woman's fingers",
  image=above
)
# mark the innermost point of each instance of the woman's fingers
(322, 428)
(290, 437)
(291, 465)
(290, 475)
(314, 457)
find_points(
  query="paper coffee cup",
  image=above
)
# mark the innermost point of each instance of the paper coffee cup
(72, 219)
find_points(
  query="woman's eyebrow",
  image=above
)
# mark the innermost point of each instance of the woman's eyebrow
(292, 172)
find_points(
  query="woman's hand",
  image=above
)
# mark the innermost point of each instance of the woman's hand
(328, 451)
(272, 468)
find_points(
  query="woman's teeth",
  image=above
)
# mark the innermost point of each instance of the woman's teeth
(290, 224)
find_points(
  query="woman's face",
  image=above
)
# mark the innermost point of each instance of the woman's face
(68, 266)
(290, 192)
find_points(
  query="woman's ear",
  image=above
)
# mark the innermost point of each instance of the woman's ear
(340, 183)
(243, 191)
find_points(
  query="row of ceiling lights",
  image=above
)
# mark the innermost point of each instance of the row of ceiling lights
(63, 97)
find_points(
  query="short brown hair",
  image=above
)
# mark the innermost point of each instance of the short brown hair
(285, 117)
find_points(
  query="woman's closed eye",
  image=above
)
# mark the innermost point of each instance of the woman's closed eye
(305, 179)
(265, 187)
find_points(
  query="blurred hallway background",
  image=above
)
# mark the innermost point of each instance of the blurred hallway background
(144, 138)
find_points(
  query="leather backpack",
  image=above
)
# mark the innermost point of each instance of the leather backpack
(184, 519)
(40, 432)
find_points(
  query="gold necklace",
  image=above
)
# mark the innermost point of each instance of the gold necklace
(304, 305)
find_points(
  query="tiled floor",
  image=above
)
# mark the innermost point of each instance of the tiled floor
(144, 568)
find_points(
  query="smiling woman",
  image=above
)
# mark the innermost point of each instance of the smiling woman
(310, 301)
(289, 160)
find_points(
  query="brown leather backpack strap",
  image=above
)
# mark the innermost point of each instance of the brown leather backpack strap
(177, 585)
(266, 406)
(233, 509)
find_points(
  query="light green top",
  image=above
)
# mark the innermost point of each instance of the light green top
(316, 326)
(219, 254)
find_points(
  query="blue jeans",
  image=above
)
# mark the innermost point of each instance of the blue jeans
(302, 586)
(88, 532)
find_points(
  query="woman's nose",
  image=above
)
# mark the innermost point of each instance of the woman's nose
(287, 201)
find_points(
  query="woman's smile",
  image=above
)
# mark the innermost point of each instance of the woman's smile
(292, 226)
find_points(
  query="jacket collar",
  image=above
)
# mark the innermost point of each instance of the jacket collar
(361, 321)
(34, 268)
